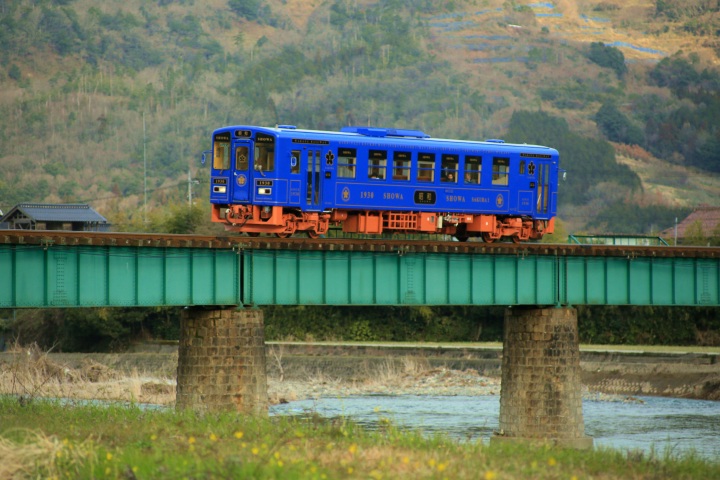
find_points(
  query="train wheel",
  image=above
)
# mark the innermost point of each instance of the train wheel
(515, 239)
(312, 234)
(461, 234)
(283, 234)
(487, 238)
(253, 234)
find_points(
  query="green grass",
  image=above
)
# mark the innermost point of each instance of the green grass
(49, 440)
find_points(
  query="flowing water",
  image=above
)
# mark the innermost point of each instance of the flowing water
(649, 424)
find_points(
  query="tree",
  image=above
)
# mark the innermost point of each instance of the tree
(248, 9)
(608, 57)
(616, 126)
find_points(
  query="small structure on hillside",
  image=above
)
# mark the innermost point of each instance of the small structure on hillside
(43, 216)
(642, 240)
(703, 222)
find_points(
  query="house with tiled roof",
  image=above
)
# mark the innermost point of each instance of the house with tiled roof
(706, 218)
(44, 216)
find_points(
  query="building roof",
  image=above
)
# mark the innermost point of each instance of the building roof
(708, 217)
(69, 212)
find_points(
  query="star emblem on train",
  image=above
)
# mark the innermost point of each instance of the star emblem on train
(531, 168)
(499, 200)
(346, 194)
(329, 157)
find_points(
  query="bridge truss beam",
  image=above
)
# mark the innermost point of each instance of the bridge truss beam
(57, 276)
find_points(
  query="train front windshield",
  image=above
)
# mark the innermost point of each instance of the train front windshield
(221, 155)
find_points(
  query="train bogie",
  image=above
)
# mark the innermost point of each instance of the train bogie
(373, 181)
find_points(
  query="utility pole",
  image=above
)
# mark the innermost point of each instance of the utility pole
(190, 192)
(191, 182)
(144, 171)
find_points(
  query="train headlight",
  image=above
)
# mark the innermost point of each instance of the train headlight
(219, 189)
(264, 191)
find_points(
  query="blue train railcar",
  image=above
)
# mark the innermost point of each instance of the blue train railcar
(285, 180)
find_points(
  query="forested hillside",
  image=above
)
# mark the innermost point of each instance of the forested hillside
(98, 98)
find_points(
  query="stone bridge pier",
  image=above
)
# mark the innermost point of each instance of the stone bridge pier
(541, 389)
(221, 361)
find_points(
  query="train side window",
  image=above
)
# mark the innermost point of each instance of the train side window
(264, 152)
(295, 161)
(449, 168)
(401, 166)
(264, 158)
(426, 167)
(473, 169)
(501, 169)
(377, 164)
(347, 160)
(221, 156)
(522, 167)
(242, 159)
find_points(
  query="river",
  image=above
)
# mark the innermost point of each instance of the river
(649, 424)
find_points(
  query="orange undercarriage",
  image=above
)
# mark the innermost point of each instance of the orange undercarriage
(254, 220)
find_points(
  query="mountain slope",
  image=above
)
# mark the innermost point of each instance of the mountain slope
(91, 94)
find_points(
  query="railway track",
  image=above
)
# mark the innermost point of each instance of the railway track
(48, 238)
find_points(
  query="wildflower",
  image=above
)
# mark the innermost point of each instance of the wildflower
(489, 475)
(406, 460)
(213, 437)
(431, 462)
(153, 437)
(255, 450)
(552, 462)
(239, 435)
(350, 470)
(108, 456)
(441, 466)
(352, 448)
(191, 440)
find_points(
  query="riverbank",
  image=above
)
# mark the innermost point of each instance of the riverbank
(299, 371)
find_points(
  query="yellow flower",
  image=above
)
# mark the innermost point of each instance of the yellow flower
(107, 471)
(191, 440)
(350, 470)
(213, 437)
(552, 462)
(239, 435)
(431, 462)
(276, 455)
(353, 448)
(108, 456)
(153, 437)
(405, 460)
(441, 466)
(280, 464)
(490, 475)
(255, 450)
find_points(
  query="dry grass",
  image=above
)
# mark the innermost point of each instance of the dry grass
(31, 373)
(37, 453)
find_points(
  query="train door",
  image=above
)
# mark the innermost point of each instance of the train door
(242, 152)
(313, 187)
(542, 204)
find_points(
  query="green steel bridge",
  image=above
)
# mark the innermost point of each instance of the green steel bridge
(54, 269)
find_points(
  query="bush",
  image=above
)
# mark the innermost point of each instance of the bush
(608, 57)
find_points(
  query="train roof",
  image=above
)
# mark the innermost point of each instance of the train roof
(390, 134)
